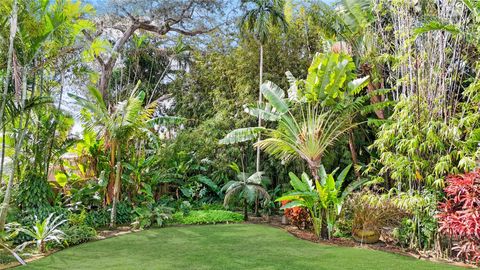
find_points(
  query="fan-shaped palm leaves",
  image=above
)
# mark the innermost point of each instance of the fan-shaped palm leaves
(247, 188)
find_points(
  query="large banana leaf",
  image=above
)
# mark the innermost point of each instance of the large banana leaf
(275, 96)
(242, 135)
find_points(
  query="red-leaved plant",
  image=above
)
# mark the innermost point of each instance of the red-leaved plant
(459, 215)
(297, 216)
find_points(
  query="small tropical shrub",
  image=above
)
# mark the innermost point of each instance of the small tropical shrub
(459, 215)
(146, 217)
(323, 198)
(370, 215)
(43, 232)
(246, 189)
(297, 216)
(78, 234)
(207, 217)
(98, 218)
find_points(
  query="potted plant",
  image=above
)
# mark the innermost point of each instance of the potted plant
(370, 214)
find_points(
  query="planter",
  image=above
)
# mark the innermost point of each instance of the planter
(366, 236)
(284, 220)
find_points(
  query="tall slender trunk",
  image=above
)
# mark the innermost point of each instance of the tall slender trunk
(13, 31)
(245, 210)
(259, 104)
(259, 121)
(2, 160)
(52, 140)
(18, 147)
(353, 152)
(116, 189)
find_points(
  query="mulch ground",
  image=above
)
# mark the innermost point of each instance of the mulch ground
(276, 221)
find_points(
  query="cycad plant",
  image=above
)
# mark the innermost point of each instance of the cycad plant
(117, 127)
(246, 189)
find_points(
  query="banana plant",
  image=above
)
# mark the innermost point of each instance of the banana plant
(322, 198)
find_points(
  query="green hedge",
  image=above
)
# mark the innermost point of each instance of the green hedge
(206, 217)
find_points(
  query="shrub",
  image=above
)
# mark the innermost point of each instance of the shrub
(124, 213)
(148, 216)
(207, 217)
(98, 218)
(459, 215)
(78, 234)
(43, 232)
(372, 212)
(298, 216)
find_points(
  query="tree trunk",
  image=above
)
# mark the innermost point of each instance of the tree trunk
(13, 31)
(2, 160)
(116, 190)
(52, 140)
(376, 99)
(324, 230)
(259, 104)
(245, 210)
(18, 147)
(353, 152)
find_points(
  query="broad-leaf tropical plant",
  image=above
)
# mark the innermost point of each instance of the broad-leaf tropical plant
(128, 117)
(323, 198)
(306, 135)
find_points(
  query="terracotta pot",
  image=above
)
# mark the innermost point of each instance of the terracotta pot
(366, 236)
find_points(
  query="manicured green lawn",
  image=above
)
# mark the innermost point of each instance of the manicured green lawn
(238, 246)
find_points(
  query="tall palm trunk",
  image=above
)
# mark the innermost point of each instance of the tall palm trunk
(259, 104)
(13, 32)
(116, 188)
(353, 152)
(259, 119)
(245, 210)
(18, 147)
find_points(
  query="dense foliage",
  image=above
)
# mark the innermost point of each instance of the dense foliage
(142, 117)
(459, 214)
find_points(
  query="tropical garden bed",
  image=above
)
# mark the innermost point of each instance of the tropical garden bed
(355, 121)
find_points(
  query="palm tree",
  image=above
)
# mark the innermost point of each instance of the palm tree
(128, 117)
(247, 188)
(257, 22)
(306, 137)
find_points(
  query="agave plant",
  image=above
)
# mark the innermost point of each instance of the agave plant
(322, 198)
(43, 232)
(247, 188)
